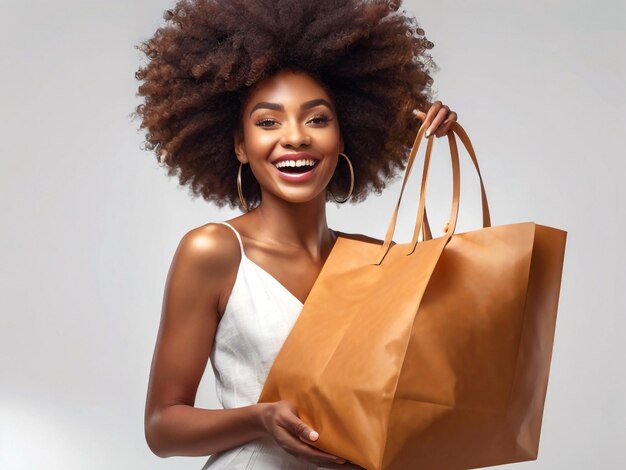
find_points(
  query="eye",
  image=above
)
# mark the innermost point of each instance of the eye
(321, 119)
(261, 123)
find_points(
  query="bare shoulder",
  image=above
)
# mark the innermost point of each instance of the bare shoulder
(212, 246)
(208, 257)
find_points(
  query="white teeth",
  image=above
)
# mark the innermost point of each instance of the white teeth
(286, 163)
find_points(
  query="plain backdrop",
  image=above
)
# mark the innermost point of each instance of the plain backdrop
(90, 222)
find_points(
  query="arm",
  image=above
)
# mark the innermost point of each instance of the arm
(203, 264)
(189, 318)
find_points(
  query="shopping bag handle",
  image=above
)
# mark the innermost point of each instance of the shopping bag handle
(385, 247)
(426, 234)
(456, 191)
(392, 223)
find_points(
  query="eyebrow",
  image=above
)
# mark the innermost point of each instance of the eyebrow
(280, 107)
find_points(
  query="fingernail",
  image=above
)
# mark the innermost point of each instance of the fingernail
(341, 461)
(313, 435)
(427, 134)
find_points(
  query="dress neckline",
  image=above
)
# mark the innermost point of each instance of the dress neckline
(269, 275)
(244, 257)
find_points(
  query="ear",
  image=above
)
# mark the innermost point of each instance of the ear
(341, 148)
(240, 147)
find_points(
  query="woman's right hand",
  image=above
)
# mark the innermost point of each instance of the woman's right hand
(281, 420)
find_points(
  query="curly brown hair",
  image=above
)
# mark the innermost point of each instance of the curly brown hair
(203, 63)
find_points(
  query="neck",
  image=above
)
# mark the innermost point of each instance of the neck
(300, 225)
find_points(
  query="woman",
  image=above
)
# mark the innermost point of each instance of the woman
(255, 103)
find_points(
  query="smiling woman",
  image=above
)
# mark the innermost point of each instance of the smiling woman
(252, 103)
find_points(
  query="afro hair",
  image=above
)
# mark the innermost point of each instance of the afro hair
(202, 64)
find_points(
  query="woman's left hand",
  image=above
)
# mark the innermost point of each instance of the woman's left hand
(438, 119)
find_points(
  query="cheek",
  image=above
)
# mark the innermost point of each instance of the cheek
(330, 142)
(260, 142)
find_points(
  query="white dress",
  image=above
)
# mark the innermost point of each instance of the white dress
(259, 315)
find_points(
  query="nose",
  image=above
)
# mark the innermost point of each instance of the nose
(294, 136)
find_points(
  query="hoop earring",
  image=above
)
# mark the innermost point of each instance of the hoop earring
(341, 201)
(241, 198)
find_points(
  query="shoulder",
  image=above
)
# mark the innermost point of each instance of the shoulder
(211, 248)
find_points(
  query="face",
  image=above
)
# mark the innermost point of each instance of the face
(287, 114)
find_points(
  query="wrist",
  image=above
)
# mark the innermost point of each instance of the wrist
(259, 412)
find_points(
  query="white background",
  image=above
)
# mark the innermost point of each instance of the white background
(89, 222)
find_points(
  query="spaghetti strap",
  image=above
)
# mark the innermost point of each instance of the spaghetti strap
(238, 237)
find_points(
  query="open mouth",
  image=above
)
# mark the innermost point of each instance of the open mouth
(303, 168)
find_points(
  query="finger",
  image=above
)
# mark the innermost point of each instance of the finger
(332, 457)
(300, 429)
(428, 116)
(445, 126)
(441, 115)
(302, 448)
(432, 111)
(421, 115)
(451, 118)
(307, 435)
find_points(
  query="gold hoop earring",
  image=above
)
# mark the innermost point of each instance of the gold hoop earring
(241, 198)
(341, 201)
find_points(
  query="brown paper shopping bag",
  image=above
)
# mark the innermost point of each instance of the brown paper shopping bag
(433, 354)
